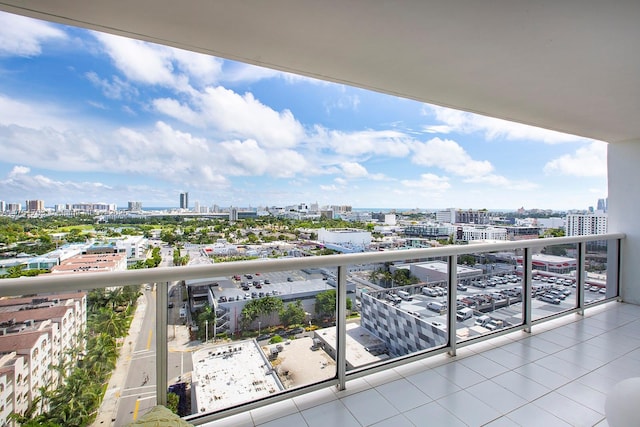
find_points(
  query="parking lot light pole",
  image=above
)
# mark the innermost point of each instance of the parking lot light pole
(259, 323)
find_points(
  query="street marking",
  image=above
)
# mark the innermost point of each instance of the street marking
(149, 340)
(135, 409)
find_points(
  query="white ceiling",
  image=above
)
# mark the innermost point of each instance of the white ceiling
(568, 65)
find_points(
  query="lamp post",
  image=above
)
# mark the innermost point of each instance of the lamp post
(259, 324)
(206, 330)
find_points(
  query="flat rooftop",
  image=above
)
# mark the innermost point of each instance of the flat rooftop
(358, 341)
(232, 373)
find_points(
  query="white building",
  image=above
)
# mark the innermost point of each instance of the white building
(585, 225)
(447, 216)
(471, 233)
(135, 247)
(345, 239)
(437, 271)
(553, 222)
(390, 219)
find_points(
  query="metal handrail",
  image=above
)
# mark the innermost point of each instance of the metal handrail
(163, 275)
(66, 282)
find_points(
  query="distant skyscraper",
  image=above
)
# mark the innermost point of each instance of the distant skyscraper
(14, 207)
(233, 214)
(602, 205)
(34, 205)
(3, 206)
(184, 200)
(134, 206)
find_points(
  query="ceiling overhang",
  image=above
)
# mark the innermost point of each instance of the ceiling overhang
(566, 65)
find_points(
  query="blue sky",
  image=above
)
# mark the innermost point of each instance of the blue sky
(90, 117)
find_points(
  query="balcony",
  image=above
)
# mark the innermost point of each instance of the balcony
(537, 360)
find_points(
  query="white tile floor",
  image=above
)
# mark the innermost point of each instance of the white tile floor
(558, 375)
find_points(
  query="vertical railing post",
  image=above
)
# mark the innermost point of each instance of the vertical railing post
(527, 288)
(162, 289)
(618, 268)
(580, 277)
(341, 325)
(452, 267)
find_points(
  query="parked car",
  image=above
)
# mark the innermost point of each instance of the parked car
(436, 306)
(430, 292)
(549, 298)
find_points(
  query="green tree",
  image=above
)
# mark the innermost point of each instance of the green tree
(292, 314)
(259, 307)
(467, 259)
(403, 277)
(326, 303)
(172, 402)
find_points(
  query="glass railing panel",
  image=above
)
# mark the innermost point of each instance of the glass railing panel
(489, 293)
(401, 309)
(601, 262)
(553, 283)
(255, 335)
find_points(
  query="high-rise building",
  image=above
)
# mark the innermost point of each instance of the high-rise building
(585, 225)
(602, 205)
(184, 200)
(134, 206)
(3, 206)
(34, 205)
(14, 207)
(472, 216)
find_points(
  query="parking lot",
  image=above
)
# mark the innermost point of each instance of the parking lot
(493, 298)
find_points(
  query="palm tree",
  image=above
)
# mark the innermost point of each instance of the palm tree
(110, 322)
(102, 354)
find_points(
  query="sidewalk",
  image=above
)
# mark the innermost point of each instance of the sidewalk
(109, 408)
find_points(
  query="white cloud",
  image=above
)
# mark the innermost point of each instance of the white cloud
(341, 181)
(502, 182)
(114, 89)
(152, 64)
(363, 143)
(467, 123)
(346, 102)
(22, 113)
(20, 181)
(237, 116)
(331, 188)
(235, 72)
(353, 170)
(429, 182)
(590, 160)
(20, 36)
(449, 156)
(17, 171)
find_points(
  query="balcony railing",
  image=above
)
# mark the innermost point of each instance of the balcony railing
(524, 300)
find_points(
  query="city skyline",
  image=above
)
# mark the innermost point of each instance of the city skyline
(86, 116)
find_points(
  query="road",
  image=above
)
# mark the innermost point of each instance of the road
(139, 392)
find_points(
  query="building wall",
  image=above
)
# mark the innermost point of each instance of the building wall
(446, 216)
(624, 203)
(402, 332)
(483, 233)
(585, 225)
